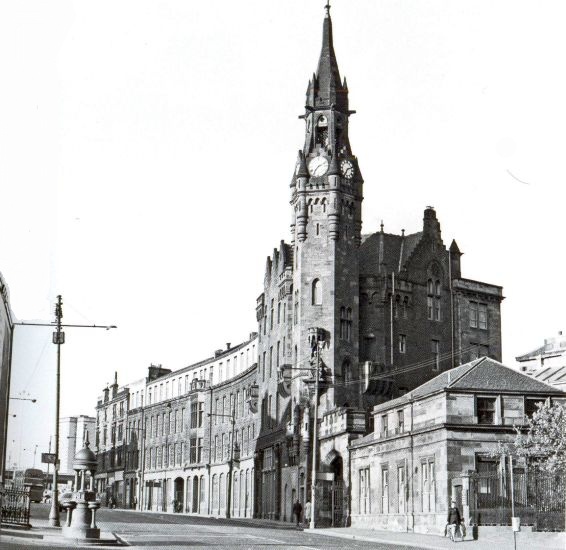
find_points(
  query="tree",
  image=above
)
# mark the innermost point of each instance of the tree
(543, 441)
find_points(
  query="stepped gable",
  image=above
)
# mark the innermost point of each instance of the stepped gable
(396, 250)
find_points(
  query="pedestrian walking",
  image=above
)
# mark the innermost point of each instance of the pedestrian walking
(453, 521)
(297, 512)
(308, 512)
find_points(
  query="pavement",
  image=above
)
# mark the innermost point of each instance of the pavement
(41, 533)
(175, 531)
(489, 538)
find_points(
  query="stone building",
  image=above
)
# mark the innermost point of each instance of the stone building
(546, 363)
(375, 315)
(425, 443)
(174, 446)
(111, 412)
(393, 311)
(6, 337)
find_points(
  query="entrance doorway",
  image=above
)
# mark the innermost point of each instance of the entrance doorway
(195, 494)
(178, 495)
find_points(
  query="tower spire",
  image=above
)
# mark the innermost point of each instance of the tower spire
(328, 85)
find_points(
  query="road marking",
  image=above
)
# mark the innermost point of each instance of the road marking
(163, 535)
(280, 541)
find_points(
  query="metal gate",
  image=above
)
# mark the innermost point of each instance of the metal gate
(15, 506)
(537, 499)
(331, 504)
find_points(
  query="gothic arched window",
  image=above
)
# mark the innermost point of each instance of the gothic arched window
(316, 292)
(433, 299)
(346, 370)
(346, 323)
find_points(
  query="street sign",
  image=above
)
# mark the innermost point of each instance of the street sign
(325, 476)
(48, 458)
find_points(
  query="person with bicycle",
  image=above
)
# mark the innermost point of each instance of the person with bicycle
(453, 521)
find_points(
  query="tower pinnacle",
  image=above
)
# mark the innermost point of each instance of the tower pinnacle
(327, 86)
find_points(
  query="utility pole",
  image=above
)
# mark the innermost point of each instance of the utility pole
(142, 465)
(231, 464)
(315, 437)
(48, 462)
(232, 418)
(58, 339)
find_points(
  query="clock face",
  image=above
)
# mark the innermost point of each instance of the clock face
(318, 166)
(347, 169)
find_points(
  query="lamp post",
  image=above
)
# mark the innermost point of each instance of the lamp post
(24, 399)
(34, 454)
(315, 437)
(139, 467)
(316, 340)
(58, 339)
(232, 418)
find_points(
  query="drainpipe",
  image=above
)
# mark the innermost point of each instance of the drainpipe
(412, 487)
(391, 313)
(451, 308)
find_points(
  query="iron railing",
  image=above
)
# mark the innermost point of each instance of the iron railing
(16, 506)
(539, 500)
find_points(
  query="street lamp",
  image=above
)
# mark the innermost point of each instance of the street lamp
(316, 339)
(233, 448)
(140, 463)
(24, 399)
(58, 339)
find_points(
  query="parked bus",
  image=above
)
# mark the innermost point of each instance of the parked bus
(32, 478)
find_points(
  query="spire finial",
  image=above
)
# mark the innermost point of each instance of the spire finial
(382, 226)
(327, 8)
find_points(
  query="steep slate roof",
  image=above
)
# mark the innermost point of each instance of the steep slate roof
(396, 251)
(550, 375)
(482, 375)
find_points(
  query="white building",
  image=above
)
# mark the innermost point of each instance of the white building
(546, 363)
(72, 432)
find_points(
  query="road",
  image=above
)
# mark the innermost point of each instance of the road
(176, 532)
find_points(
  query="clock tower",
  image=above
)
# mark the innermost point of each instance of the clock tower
(326, 199)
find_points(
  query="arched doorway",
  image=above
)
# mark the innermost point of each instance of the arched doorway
(330, 492)
(195, 494)
(178, 495)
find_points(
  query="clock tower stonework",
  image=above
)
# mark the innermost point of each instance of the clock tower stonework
(326, 200)
(393, 311)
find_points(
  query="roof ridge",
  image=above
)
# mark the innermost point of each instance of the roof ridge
(472, 366)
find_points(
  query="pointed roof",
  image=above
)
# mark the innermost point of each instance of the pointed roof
(481, 375)
(454, 249)
(328, 85)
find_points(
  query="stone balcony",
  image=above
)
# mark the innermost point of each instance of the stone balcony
(341, 420)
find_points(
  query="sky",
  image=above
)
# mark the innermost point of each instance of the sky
(146, 150)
